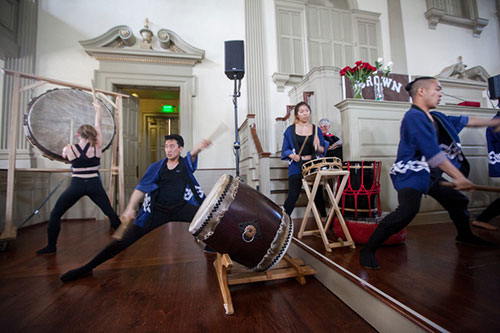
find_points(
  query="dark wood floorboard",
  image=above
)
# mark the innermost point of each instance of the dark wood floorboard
(454, 285)
(164, 282)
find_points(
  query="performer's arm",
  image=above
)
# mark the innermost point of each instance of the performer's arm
(461, 183)
(67, 153)
(136, 197)
(198, 148)
(319, 142)
(482, 122)
(97, 124)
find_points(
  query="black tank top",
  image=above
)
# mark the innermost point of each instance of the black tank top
(83, 161)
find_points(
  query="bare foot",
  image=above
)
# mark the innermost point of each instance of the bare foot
(484, 225)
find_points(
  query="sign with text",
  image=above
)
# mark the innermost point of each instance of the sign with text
(393, 85)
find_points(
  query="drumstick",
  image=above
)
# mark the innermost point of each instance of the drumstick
(218, 131)
(93, 90)
(474, 187)
(124, 226)
(71, 124)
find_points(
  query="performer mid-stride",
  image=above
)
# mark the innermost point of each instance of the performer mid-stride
(169, 192)
(429, 145)
(85, 158)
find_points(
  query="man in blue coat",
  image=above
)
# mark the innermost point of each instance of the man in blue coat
(169, 192)
(429, 145)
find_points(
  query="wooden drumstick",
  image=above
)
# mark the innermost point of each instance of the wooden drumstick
(475, 187)
(93, 90)
(124, 226)
(218, 132)
(71, 124)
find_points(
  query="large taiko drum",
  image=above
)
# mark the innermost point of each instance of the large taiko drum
(49, 117)
(361, 229)
(240, 221)
(361, 195)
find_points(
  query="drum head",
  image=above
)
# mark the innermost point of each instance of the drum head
(209, 202)
(47, 121)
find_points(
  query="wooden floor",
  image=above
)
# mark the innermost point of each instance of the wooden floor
(162, 283)
(453, 285)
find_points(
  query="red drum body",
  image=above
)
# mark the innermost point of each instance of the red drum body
(48, 120)
(238, 220)
(361, 230)
(361, 196)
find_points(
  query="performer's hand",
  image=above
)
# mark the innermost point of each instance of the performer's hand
(463, 184)
(129, 213)
(296, 157)
(97, 106)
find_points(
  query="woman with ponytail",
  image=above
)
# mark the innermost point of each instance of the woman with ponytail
(85, 157)
(302, 141)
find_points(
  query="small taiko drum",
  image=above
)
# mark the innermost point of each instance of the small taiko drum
(240, 221)
(310, 168)
(361, 195)
(48, 120)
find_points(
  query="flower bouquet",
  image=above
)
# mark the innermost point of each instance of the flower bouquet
(378, 87)
(358, 76)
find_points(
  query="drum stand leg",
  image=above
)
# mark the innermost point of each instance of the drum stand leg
(323, 176)
(228, 275)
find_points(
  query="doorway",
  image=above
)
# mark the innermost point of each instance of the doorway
(159, 115)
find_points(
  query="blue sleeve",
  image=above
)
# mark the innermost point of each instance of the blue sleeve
(191, 165)
(459, 122)
(417, 130)
(322, 141)
(147, 183)
(287, 148)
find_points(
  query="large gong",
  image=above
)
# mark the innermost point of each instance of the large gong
(47, 121)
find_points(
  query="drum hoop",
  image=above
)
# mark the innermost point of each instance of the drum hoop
(279, 245)
(217, 212)
(46, 152)
(333, 163)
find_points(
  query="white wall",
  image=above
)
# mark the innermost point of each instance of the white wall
(429, 51)
(205, 24)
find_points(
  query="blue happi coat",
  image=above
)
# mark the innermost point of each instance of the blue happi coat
(290, 146)
(493, 140)
(148, 185)
(420, 149)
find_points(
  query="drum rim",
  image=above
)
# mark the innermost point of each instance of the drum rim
(277, 249)
(45, 151)
(215, 197)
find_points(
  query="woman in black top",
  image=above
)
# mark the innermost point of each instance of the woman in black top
(85, 157)
(297, 152)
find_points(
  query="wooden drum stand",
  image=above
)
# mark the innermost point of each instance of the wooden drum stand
(322, 177)
(227, 275)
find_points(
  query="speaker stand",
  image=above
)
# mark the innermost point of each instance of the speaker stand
(236, 144)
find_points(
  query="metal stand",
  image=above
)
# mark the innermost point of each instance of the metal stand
(236, 144)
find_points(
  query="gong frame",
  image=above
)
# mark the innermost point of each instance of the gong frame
(117, 161)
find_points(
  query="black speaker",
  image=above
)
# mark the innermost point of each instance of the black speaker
(234, 52)
(494, 86)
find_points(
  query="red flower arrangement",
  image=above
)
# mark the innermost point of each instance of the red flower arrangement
(359, 73)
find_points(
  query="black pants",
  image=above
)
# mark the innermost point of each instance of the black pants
(294, 188)
(490, 212)
(181, 213)
(409, 204)
(79, 187)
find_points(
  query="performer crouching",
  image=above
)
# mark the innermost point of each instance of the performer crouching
(169, 192)
(429, 145)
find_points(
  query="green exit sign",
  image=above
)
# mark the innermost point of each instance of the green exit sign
(168, 108)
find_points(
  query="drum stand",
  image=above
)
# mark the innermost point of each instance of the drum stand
(288, 267)
(316, 179)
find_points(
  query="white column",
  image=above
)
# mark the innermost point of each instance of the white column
(24, 62)
(255, 56)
